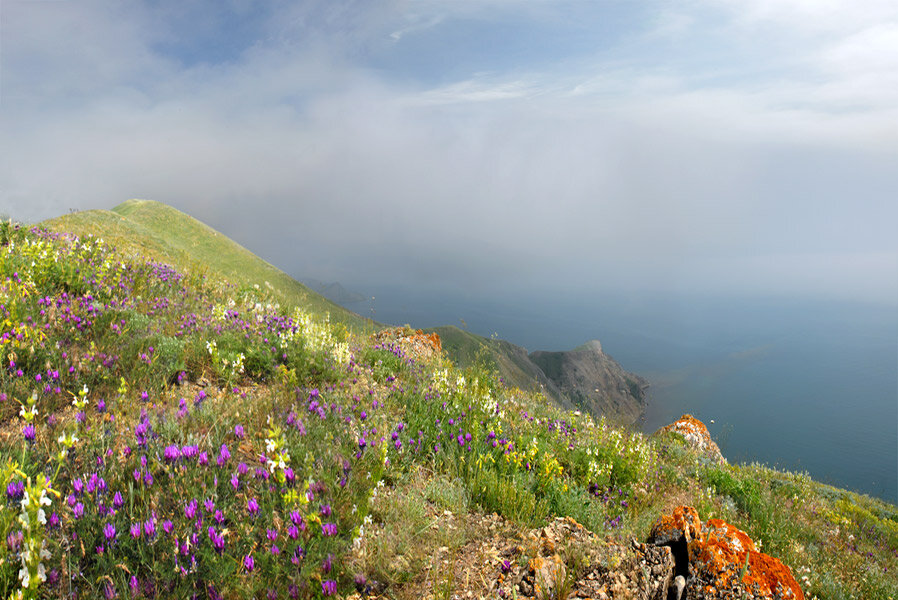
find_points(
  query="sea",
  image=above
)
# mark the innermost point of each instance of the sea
(804, 385)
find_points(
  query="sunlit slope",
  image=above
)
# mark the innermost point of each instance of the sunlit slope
(508, 361)
(152, 229)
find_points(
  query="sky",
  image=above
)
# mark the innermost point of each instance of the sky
(710, 146)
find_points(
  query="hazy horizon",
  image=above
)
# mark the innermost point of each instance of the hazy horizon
(638, 147)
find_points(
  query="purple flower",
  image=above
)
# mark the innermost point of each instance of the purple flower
(248, 563)
(275, 550)
(28, 432)
(172, 453)
(149, 528)
(235, 481)
(242, 468)
(217, 540)
(117, 500)
(253, 507)
(328, 529)
(292, 532)
(328, 587)
(78, 486)
(298, 555)
(109, 531)
(223, 455)
(271, 534)
(190, 509)
(209, 505)
(167, 526)
(135, 530)
(238, 431)
(78, 510)
(15, 490)
(325, 510)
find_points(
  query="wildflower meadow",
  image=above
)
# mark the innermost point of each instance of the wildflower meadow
(168, 435)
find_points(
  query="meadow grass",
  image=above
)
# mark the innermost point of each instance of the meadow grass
(170, 433)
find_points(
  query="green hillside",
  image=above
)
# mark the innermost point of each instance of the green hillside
(508, 361)
(149, 229)
(164, 435)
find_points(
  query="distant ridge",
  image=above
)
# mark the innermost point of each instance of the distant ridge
(584, 378)
(335, 292)
(594, 382)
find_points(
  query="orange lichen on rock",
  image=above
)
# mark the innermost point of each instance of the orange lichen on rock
(684, 523)
(697, 435)
(413, 342)
(723, 558)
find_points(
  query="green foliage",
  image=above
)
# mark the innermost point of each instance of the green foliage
(186, 395)
(384, 362)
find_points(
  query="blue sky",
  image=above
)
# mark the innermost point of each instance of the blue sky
(719, 146)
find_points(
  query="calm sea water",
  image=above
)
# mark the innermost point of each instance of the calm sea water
(800, 385)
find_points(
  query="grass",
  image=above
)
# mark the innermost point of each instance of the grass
(508, 361)
(167, 432)
(147, 229)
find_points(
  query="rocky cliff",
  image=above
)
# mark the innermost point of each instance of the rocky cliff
(594, 382)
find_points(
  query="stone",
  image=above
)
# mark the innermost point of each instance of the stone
(414, 343)
(722, 561)
(697, 435)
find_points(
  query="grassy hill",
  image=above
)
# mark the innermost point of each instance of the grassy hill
(149, 229)
(508, 361)
(164, 435)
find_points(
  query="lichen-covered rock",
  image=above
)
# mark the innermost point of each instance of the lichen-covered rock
(413, 343)
(697, 435)
(723, 561)
(683, 524)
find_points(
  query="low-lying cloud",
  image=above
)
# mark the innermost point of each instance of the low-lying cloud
(313, 140)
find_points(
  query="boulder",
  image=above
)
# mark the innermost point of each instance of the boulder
(412, 343)
(718, 560)
(697, 436)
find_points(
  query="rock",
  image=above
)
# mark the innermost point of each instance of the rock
(679, 585)
(594, 382)
(413, 343)
(697, 436)
(722, 561)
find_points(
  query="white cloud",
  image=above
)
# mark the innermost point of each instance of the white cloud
(618, 165)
